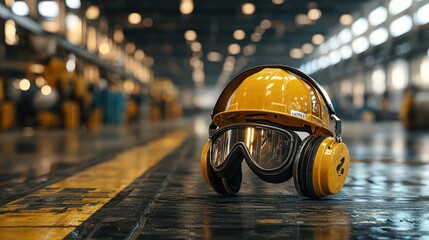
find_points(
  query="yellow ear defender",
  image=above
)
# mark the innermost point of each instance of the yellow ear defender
(321, 162)
(320, 167)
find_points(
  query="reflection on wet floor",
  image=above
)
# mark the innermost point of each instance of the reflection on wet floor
(385, 196)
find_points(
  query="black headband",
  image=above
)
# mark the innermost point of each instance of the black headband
(235, 82)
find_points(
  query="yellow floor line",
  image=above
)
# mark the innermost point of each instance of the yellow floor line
(55, 211)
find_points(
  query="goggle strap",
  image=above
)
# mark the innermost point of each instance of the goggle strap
(338, 128)
(212, 129)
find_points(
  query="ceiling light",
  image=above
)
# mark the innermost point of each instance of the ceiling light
(134, 18)
(424, 71)
(195, 62)
(118, 36)
(104, 48)
(313, 66)
(48, 9)
(214, 57)
(71, 63)
(302, 19)
(296, 53)
(346, 19)
(73, 28)
(323, 62)
(324, 48)
(20, 8)
(186, 6)
(378, 36)
(422, 15)
(378, 81)
(11, 38)
(377, 16)
(278, 2)
(307, 48)
(147, 22)
(92, 12)
(334, 57)
(130, 47)
(40, 81)
(249, 50)
(139, 54)
(73, 4)
(345, 36)
(255, 37)
(72, 21)
(360, 26)
(190, 35)
(401, 26)
(314, 14)
(399, 74)
(239, 34)
(398, 6)
(317, 39)
(234, 49)
(229, 64)
(346, 52)
(198, 76)
(259, 30)
(24, 84)
(360, 45)
(36, 68)
(266, 23)
(333, 43)
(46, 90)
(196, 46)
(248, 8)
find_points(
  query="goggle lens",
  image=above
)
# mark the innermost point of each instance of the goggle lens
(268, 149)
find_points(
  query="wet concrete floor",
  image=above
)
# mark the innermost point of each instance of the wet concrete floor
(43, 190)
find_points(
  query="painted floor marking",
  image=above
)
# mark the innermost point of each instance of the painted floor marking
(56, 210)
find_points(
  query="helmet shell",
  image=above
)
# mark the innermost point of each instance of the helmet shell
(278, 96)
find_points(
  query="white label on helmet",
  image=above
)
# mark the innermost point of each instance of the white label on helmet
(298, 114)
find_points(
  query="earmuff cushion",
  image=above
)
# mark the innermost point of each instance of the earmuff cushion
(298, 166)
(224, 186)
(303, 166)
(233, 184)
(215, 180)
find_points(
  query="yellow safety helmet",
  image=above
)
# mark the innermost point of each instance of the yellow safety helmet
(276, 94)
(255, 118)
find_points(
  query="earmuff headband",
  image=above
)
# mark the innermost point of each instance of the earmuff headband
(235, 82)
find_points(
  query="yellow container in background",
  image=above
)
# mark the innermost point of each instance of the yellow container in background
(95, 119)
(7, 115)
(71, 114)
(47, 119)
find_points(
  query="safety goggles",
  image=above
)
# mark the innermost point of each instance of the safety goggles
(266, 147)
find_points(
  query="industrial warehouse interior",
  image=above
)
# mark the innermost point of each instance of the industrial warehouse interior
(197, 119)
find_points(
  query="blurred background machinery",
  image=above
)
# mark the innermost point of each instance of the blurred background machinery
(71, 63)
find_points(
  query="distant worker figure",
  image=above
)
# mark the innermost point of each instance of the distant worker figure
(414, 112)
(261, 117)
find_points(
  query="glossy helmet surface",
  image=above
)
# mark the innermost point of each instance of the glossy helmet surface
(277, 95)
